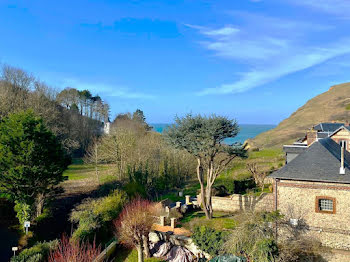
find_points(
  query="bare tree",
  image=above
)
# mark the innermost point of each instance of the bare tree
(134, 225)
(258, 175)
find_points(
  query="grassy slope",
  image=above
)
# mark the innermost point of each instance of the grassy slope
(266, 159)
(332, 105)
(82, 177)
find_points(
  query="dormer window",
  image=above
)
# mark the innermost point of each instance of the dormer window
(325, 204)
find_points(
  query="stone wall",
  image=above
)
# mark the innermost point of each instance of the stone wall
(238, 202)
(298, 200)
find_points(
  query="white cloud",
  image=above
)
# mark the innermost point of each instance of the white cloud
(269, 48)
(225, 31)
(338, 7)
(108, 90)
(299, 62)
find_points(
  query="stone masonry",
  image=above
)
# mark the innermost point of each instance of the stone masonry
(298, 200)
(238, 202)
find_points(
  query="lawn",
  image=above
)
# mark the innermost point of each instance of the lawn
(78, 170)
(192, 187)
(266, 159)
(130, 255)
(220, 220)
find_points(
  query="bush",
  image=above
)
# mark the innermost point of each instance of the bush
(301, 249)
(37, 253)
(209, 240)
(24, 212)
(68, 250)
(134, 189)
(95, 216)
(224, 187)
(253, 238)
(242, 186)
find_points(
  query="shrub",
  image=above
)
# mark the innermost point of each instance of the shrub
(224, 187)
(74, 251)
(209, 240)
(301, 249)
(37, 253)
(242, 186)
(23, 211)
(134, 225)
(134, 189)
(97, 215)
(253, 238)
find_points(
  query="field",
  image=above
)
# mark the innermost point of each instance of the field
(82, 178)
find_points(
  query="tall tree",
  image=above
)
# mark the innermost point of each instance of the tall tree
(203, 137)
(31, 160)
(139, 117)
(85, 97)
(68, 97)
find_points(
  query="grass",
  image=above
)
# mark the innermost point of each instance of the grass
(220, 220)
(78, 170)
(257, 191)
(191, 189)
(266, 159)
(130, 255)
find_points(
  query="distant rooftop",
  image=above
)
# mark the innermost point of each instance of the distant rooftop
(328, 127)
(320, 162)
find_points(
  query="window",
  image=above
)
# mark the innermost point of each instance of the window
(343, 143)
(325, 205)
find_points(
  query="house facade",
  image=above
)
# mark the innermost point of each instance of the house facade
(313, 191)
(338, 132)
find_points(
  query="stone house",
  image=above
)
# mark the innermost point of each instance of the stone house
(313, 191)
(339, 132)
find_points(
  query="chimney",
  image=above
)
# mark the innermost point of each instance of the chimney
(347, 123)
(342, 168)
(311, 136)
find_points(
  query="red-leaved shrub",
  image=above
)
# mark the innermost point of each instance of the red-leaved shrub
(74, 251)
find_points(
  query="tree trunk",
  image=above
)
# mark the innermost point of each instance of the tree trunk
(146, 246)
(208, 202)
(39, 204)
(96, 162)
(140, 252)
(201, 182)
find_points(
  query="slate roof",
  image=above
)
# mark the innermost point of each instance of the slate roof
(320, 162)
(335, 131)
(323, 134)
(297, 149)
(328, 127)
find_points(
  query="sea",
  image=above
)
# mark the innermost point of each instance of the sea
(246, 131)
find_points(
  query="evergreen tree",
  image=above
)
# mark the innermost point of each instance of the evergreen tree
(203, 137)
(32, 161)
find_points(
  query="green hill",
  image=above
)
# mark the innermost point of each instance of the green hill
(333, 105)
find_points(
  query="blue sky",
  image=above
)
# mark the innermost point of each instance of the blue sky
(256, 61)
